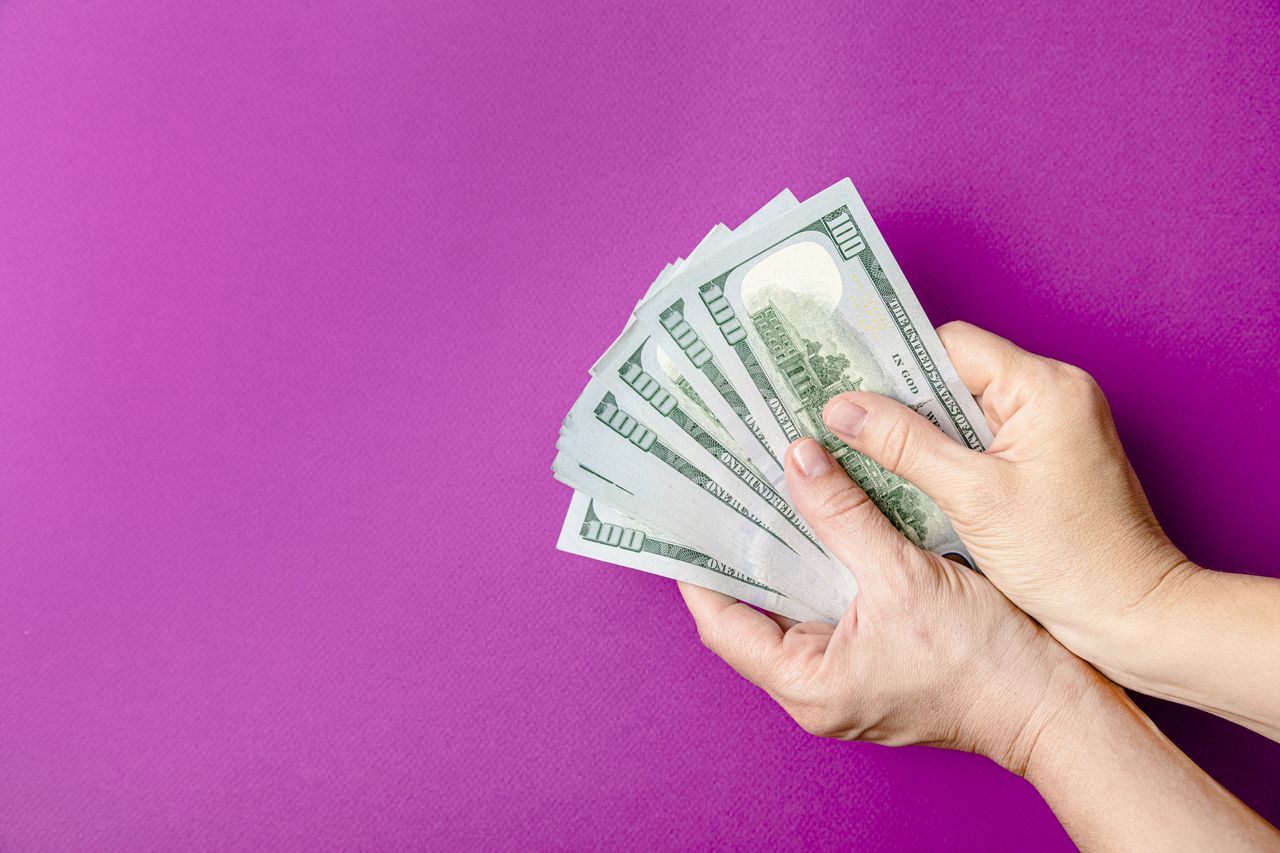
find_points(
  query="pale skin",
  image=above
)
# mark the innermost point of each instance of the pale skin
(932, 653)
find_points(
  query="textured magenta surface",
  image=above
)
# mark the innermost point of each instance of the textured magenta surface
(293, 296)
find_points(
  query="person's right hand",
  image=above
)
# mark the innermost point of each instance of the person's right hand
(1052, 513)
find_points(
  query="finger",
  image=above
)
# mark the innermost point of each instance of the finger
(906, 443)
(742, 636)
(786, 623)
(845, 519)
(807, 639)
(991, 367)
(802, 637)
(980, 357)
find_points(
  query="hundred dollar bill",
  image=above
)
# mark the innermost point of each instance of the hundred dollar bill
(594, 529)
(666, 373)
(698, 437)
(674, 492)
(639, 357)
(645, 379)
(717, 238)
(648, 478)
(616, 495)
(810, 305)
(710, 437)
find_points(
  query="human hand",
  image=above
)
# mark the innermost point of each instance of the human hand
(1052, 512)
(932, 653)
(928, 652)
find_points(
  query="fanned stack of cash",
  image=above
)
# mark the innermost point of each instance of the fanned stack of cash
(674, 449)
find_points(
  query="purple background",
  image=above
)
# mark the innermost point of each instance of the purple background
(294, 295)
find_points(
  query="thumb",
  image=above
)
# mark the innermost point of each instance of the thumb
(857, 533)
(910, 446)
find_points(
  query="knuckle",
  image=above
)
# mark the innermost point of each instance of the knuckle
(899, 446)
(840, 505)
(772, 675)
(1077, 385)
(813, 718)
(1039, 374)
(898, 562)
(1075, 376)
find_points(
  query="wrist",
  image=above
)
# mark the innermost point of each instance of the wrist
(1069, 699)
(1115, 781)
(1022, 699)
(1129, 645)
(1201, 638)
(1057, 738)
(1110, 615)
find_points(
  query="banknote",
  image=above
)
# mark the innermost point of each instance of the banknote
(686, 424)
(686, 448)
(717, 238)
(587, 484)
(696, 436)
(643, 377)
(690, 500)
(674, 448)
(594, 529)
(616, 496)
(769, 328)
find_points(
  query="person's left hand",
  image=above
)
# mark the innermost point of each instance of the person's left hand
(928, 652)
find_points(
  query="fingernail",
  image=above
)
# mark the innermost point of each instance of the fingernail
(811, 458)
(846, 418)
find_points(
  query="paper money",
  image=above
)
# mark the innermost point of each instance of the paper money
(729, 357)
(593, 529)
(649, 479)
(809, 306)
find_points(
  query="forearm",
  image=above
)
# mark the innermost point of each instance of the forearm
(1207, 639)
(1116, 783)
